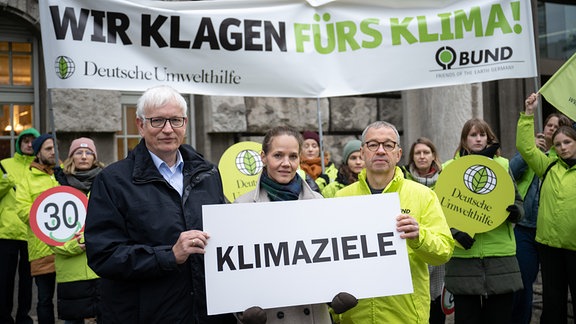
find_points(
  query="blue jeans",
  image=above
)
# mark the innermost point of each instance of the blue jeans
(529, 262)
(46, 285)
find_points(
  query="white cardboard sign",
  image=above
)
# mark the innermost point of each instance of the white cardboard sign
(277, 254)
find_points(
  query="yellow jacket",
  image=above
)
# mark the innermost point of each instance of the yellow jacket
(434, 246)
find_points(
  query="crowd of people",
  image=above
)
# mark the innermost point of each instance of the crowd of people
(140, 257)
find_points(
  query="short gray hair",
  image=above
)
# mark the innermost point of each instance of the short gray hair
(157, 97)
(381, 124)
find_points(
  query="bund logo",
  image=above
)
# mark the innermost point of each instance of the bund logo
(248, 162)
(64, 67)
(446, 57)
(480, 179)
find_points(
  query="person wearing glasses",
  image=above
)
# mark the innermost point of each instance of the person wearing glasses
(77, 285)
(421, 223)
(483, 273)
(143, 233)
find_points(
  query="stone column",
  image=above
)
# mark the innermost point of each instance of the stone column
(439, 114)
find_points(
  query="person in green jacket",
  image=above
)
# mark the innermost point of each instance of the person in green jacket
(38, 178)
(78, 286)
(483, 273)
(556, 224)
(421, 223)
(13, 234)
(352, 165)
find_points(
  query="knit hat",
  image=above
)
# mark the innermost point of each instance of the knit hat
(311, 135)
(82, 142)
(38, 141)
(350, 147)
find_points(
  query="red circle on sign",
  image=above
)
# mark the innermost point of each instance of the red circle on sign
(47, 197)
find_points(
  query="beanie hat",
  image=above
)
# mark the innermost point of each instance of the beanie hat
(38, 141)
(27, 132)
(82, 142)
(349, 148)
(311, 135)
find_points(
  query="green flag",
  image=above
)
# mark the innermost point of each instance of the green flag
(560, 90)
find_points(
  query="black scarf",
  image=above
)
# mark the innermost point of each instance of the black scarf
(281, 192)
(488, 151)
(82, 180)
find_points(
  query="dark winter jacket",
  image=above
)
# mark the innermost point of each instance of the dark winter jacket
(134, 218)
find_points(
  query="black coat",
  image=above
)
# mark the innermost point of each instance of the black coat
(134, 218)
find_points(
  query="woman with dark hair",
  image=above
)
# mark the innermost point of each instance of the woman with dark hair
(525, 231)
(556, 224)
(483, 273)
(279, 182)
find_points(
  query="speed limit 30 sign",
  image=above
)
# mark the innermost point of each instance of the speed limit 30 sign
(58, 214)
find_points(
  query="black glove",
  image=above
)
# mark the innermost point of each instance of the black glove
(515, 214)
(253, 315)
(325, 177)
(342, 302)
(60, 176)
(463, 238)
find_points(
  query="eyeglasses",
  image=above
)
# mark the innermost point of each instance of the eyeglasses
(160, 122)
(81, 153)
(388, 146)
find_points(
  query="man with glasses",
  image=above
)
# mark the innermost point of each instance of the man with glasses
(143, 232)
(421, 223)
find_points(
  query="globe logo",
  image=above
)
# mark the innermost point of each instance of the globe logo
(249, 163)
(64, 66)
(480, 179)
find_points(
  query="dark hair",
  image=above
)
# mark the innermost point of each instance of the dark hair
(566, 130)
(562, 119)
(426, 141)
(281, 130)
(481, 126)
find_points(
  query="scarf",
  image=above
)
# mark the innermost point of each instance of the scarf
(488, 151)
(429, 180)
(281, 192)
(82, 180)
(313, 167)
(48, 169)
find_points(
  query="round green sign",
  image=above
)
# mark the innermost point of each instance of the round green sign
(239, 167)
(474, 192)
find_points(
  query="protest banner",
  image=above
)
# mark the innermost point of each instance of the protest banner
(256, 250)
(284, 48)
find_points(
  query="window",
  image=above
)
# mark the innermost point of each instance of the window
(128, 137)
(556, 30)
(17, 90)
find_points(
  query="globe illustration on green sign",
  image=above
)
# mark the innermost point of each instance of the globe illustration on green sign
(480, 179)
(248, 162)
